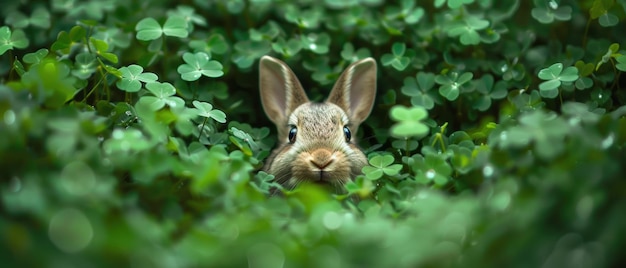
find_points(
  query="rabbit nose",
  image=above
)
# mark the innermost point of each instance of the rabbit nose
(321, 158)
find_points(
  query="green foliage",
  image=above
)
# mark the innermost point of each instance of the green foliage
(132, 134)
(132, 76)
(468, 31)
(11, 39)
(197, 65)
(381, 164)
(149, 29)
(396, 59)
(409, 124)
(547, 12)
(555, 76)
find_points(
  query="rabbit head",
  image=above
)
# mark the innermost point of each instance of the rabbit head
(316, 140)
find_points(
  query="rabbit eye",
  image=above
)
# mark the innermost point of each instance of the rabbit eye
(347, 133)
(292, 134)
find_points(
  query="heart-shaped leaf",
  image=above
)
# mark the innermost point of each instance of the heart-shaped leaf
(148, 29)
(197, 65)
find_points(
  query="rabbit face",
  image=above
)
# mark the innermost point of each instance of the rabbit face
(316, 140)
(318, 149)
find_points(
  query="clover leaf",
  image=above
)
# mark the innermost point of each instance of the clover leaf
(318, 43)
(396, 59)
(240, 136)
(149, 29)
(85, 65)
(433, 168)
(39, 18)
(461, 159)
(247, 51)
(621, 63)
(379, 165)
(52, 77)
(409, 122)
(454, 4)
(608, 20)
(547, 12)
(189, 14)
(35, 57)
(114, 37)
(360, 186)
(216, 43)
(555, 76)
(322, 72)
(468, 31)
(126, 140)
(545, 131)
(175, 26)
(205, 109)
(407, 145)
(509, 71)
(600, 10)
(611, 52)
(9, 40)
(197, 65)
(17, 20)
(162, 95)
(411, 14)
(65, 40)
(287, 48)
(485, 86)
(307, 19)
(269, 31)
(419, 89)
(348, 53)
(132, 76)
(451, 84)
(101, 47)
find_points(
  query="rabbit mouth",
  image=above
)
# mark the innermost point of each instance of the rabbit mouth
(316, 176)
(321, 177)
(325, 177)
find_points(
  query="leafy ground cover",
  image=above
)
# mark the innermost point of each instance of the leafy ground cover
(131, 134)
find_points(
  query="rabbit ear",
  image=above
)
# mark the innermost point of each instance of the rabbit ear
(281, 92)
(355, 90)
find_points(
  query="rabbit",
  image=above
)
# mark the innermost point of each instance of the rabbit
(316, 141)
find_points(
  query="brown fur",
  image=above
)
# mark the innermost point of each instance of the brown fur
(320, 153)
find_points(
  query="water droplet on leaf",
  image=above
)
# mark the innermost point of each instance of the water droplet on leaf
(504, 67)
(503, 136)
(430, 174)
(608, 141)
(553, 5)
(488, 171)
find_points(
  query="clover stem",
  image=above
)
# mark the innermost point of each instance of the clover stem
(439, 137)
(11, 56)
(586, 33)
(406, 146)
(106, 86)
(92, 89)
(616, 72)
(202, 128)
